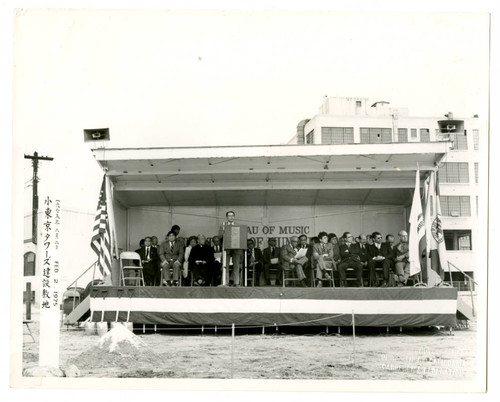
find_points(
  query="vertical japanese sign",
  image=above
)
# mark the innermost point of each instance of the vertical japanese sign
(49, 251)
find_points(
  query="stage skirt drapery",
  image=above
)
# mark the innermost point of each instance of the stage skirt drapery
(269, 306)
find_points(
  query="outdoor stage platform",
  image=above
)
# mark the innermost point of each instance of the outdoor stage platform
(268, 306)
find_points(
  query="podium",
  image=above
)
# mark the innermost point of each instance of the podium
(234, 238)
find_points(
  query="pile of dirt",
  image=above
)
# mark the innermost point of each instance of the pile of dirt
(117, 348)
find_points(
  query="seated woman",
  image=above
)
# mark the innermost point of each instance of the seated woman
(187, 252)
(201, 260)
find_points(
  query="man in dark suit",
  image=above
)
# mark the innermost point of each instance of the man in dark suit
(308, 266)
(201, 260)
(360, 249)
(271, 260)
(255, 261)
(149, 261)
(380, 255)
(156, 246)
(236, 254)
(216, 269)
(349, 260)
(171, 255)
(289, 262)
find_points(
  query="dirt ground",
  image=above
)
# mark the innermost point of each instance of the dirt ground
(413, 354)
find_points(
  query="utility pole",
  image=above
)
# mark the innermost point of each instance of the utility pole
(35, 158)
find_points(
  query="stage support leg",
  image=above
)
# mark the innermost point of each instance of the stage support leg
(400, 329)
(276, 328)
(155, 328)
(327, 329)
(387, 330)
(451, 331)
(353, 340)
(338, 330)
(263, 333)
(216, 330)
(143, 328)
(202, 329)
(232, 349)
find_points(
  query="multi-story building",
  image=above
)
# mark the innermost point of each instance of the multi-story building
(358, 121)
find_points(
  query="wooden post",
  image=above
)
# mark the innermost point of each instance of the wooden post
(28, 301)
(232, 349)
(246, 268)
(353, 340)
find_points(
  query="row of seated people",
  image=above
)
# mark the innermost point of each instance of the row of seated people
(198, 260)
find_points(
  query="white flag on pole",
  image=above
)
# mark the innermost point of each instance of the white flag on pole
(417, 230)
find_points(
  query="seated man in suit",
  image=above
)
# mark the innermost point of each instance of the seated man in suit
(380, 255)
(271, 260)
(323, 255)
(201, 260)
(308, 266)
(402, 264)
(171, 255)
(255, 261)
(216, 269)
(349, 260)
(289, 262)
(149, 261)
(360, 249)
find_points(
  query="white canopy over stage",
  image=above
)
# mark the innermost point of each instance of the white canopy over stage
(355, 174)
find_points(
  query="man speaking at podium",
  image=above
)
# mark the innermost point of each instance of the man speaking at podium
(236, 254)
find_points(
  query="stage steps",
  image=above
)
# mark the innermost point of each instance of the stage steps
(464, 309)
(79, 311)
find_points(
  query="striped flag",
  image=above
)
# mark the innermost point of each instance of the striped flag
(436, 250)
(100, 242)
(416, 242)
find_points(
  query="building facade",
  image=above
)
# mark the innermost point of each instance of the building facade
(359, 121)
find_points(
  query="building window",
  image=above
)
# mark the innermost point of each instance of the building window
(29, 264)
(477, 205)
(310, 137)
(413, 133)
(337, 135)
(459, 141)
(457, 239)
(454, 172)
(425, 135)
(475, 136)
(455, 205)
(358, 103)
(375, 135)
(476, 171)
(402, 135)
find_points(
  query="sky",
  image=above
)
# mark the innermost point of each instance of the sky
(192, 78)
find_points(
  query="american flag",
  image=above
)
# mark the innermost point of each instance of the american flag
(101, 242)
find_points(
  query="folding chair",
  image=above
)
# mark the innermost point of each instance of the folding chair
(350, 276)
(289, 275)
(131, 268)
(179, 280)
(329, 271)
